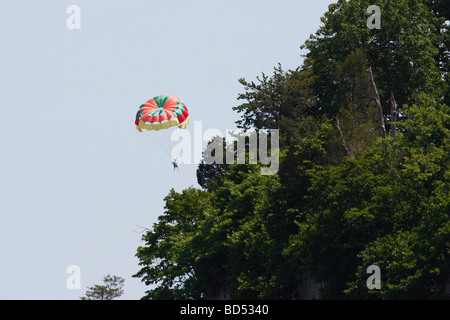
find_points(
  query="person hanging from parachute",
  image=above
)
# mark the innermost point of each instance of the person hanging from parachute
(175, 164)
(161, 113)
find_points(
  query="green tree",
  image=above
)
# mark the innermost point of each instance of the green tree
(441, 12)
(414, 256)
(169, 256)
(402, 53)
(343, 198)
(210, 175)
(110, 289)
(191, 252)
(356, 120)
(363, 211)
(277, 102)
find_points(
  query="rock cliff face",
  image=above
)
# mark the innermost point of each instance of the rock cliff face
(308, 289)
(217, 294)
(447, 289)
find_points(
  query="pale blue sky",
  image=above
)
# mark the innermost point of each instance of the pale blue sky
(76, 178)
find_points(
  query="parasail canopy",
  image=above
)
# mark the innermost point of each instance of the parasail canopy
(162, 112)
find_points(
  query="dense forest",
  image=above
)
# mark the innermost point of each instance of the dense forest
(363, 174)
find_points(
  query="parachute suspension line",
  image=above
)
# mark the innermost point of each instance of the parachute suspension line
(160, 139)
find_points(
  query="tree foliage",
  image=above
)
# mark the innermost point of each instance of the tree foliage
(344, 198)
(110, 289)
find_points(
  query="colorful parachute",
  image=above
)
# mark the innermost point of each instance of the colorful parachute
(162, 112)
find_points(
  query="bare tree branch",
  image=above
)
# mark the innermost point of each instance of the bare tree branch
(393, 116)
(342, 138)
(378, 102)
